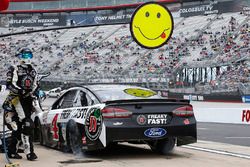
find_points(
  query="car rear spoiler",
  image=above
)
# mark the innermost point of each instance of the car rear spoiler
(179, 101)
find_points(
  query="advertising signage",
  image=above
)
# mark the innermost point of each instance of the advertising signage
(37, 21)
(102, 17)
(119, 15)
(214, 7)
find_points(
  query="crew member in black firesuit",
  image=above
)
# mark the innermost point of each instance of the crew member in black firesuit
(21, 82)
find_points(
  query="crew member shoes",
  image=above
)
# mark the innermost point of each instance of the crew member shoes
(31, 156)
(14, 155)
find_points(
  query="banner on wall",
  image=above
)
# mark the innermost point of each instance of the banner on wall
(37, 21)
(214, 7)
(122, 16)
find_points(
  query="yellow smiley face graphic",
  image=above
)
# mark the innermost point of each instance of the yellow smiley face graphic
(151, 25)
(140, 92)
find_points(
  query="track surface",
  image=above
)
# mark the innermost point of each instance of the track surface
(126, 155)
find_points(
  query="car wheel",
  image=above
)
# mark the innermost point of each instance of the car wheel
(163, 146)
(74, 138)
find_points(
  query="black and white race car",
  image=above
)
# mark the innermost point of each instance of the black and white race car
(93, 117)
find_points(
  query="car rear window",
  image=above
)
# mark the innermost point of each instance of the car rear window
(126, 94)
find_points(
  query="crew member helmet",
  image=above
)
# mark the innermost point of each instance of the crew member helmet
(25, 55)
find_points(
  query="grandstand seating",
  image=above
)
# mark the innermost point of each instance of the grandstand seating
(109, 51)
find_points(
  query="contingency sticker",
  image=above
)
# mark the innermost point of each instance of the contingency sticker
(139, 92)
(93, 124)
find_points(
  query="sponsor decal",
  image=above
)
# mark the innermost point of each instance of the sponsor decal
(140, 92)
(211, 7)
(152, 119)
(164, 93)
(157, 119)
(141, 120)
(78, 113)
(155, 132)
(27, 82)
(246, 116)
(186, 122)
(37, 21)
(93, 124)
(193, 97)
(65, 114)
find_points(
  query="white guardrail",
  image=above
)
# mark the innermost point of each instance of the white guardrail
(236, 113)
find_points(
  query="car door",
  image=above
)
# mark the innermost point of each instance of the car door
(81, 105)
(92, 123)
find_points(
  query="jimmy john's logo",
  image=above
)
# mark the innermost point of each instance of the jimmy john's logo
(93, 124)
(152, 119)
(141, 120)
(27, 82)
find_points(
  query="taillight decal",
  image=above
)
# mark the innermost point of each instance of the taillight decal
(115, 112)
(185, 111)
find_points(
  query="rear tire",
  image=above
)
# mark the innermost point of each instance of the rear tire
(74, 140)
(163, 147)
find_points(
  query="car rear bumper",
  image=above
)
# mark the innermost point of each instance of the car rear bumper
(184, 129)
(125, 131)
(115, 134)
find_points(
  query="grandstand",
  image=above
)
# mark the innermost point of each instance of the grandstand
(208, 53)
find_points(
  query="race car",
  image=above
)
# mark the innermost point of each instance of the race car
(95, 116)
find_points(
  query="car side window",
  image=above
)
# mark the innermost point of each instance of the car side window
(57, 104)
(66, 101)
(83, 99)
